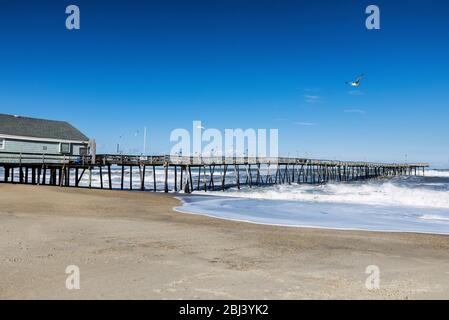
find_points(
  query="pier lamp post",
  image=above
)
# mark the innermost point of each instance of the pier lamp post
(118, 144)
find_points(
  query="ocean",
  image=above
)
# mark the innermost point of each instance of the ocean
(400, 204)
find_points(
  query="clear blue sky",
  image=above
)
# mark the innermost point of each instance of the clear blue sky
(248, 64)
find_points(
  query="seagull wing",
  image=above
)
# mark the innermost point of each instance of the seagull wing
(360, 77)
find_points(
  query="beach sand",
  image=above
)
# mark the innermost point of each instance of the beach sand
(132, 245)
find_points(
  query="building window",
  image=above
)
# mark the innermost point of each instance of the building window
(2, 144)
(64, 148)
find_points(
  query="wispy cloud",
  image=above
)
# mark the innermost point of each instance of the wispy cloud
(356, 93)
(309, 98)
(306, 124)
(312, 95)
(359, 111)
(312, 90)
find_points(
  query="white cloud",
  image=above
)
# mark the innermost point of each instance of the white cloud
(356, 93)
(359, 111)
(306, 124)
(309, 98)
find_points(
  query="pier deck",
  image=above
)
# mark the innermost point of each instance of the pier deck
(189, 173)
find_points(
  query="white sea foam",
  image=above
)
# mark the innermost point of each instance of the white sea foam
(404, 204)
(434, 217)
(320, 215)
(374, 193)
(437, 173)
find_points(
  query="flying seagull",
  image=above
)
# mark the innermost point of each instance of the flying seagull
(356, 82)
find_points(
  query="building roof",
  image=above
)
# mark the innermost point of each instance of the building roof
(39, 128)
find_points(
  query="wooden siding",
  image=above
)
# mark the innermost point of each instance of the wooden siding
(37, 147)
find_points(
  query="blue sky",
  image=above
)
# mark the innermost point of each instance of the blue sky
(236, 64)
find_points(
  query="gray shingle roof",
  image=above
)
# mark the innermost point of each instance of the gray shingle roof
(39, 128)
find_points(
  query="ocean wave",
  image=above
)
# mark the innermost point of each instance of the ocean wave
(437, 173)
(434, 217)
(320, 215)
(383, 193)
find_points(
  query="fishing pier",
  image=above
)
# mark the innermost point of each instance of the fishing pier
(189, 174)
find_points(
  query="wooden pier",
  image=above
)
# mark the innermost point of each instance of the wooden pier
(188, 174)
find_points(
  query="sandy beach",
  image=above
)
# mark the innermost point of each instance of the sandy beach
(132, 245)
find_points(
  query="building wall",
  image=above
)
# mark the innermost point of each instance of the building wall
(37, 147)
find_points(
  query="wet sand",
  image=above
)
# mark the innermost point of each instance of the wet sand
(132, 245)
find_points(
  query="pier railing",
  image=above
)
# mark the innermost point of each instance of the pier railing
(35, 158)
(170, 160)
(232, 160)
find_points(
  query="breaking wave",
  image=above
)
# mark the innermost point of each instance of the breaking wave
(402, 204)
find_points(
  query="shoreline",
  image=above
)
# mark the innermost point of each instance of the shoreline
(178, 209)
(135, 246)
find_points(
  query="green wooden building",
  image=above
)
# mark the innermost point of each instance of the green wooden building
(39, 137)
